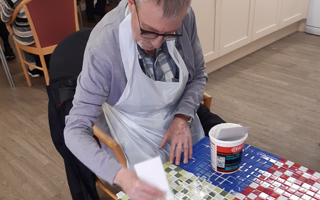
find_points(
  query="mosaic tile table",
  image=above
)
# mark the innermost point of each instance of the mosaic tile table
(261, 176)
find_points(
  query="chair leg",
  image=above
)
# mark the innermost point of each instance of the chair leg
(45, 69)
(24, 68)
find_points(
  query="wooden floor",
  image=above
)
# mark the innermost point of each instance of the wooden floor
(275, 91)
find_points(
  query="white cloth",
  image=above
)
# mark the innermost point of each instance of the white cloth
(139, 120)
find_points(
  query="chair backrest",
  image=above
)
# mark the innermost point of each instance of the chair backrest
(52, 20)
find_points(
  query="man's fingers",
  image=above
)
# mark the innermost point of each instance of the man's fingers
(172, 151)
(178, 153)
(152, 191)
(164, 141)
(190, 148)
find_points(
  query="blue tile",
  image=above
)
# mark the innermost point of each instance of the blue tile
(254, 162)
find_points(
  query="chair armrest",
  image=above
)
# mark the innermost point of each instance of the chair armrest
(207, 100)
(17, 9)
(112, 144)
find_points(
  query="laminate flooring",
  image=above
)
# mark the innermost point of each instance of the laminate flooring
(275, 91)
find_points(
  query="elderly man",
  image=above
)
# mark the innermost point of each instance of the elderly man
(143, 65)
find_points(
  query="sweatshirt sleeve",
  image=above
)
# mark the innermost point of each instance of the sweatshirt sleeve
(194, 59)
(91, 92)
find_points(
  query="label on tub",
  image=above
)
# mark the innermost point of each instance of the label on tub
(228, 159)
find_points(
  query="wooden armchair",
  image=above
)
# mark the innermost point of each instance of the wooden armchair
(50, 22)
(115, 147)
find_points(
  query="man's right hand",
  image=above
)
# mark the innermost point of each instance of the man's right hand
(134, 187)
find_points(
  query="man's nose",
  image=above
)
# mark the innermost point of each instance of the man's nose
(157, 42)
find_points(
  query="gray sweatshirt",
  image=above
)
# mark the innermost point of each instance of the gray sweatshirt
(103, 80)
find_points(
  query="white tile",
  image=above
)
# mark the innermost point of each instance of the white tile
(254, 185)
(279, 191)
(294, 197)
(306, 197)
(288, 173)
(290, 163)
(277, 173)
(263, 195)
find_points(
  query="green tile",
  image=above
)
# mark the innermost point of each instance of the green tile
(184, 191)
(178, 175)
(174, 191)
(224, 193)
(212, 194)
(178, 169)
(208, 197)
(168, 170)
(189, 181)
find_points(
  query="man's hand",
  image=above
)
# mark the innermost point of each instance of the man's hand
(134, 187)
(179, 133)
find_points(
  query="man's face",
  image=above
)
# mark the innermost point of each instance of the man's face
(151, 19)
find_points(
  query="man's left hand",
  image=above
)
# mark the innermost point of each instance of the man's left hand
(179, 133)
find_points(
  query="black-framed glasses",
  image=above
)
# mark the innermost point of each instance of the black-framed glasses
(152, 35)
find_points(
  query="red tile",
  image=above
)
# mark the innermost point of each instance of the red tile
(310, 182)
(275, 195)
(247, 198)
(268, 191)
(260, 188)
(262, 177)
(303, 179)
(292, 169)
(285, 166)
(245, 192)
(299, 194)
(282, 170)
(298, 182)
(271, 170)
(249, 189)
(282, 160)
(236, 198)
(299, 172)
(285, 177)
(309, 171)
(256, 192)
(258, 198)
(296, 176)
(296, 165)
(314, 178)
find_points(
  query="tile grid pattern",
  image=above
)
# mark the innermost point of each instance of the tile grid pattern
(284, 180)
(187, 186)
(261, 176)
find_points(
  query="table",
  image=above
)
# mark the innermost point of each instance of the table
(262, 175)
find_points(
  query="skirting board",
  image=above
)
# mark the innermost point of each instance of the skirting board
(253, 46)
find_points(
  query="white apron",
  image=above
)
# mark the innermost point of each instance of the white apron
(139, 120)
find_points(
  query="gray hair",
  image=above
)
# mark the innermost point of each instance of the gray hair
(171, 8)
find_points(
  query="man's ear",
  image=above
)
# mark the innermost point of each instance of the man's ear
(130, 4)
